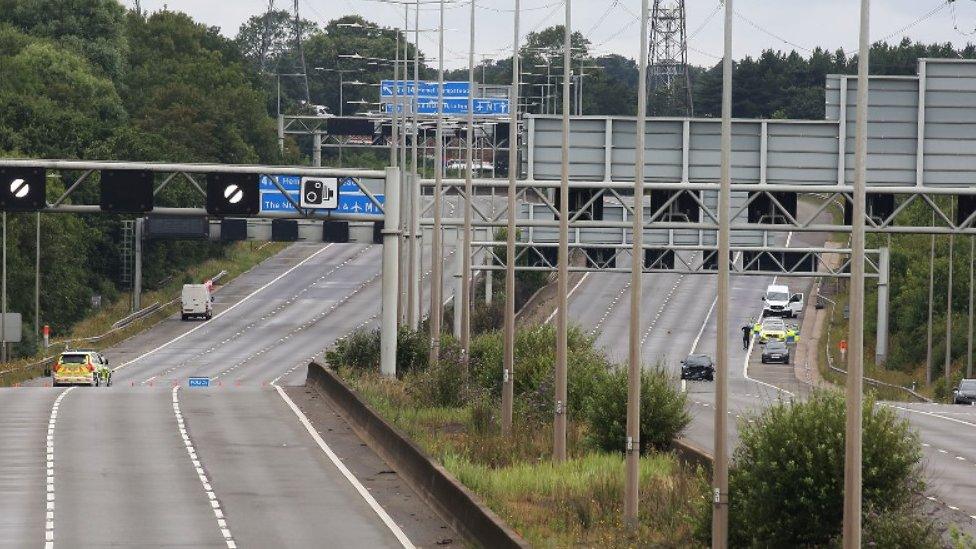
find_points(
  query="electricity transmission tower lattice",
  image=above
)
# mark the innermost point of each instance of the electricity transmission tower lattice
(670, 81)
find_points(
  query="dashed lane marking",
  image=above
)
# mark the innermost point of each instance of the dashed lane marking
(225, 311)
(201, 473)
(246, 328)
(610, 308)
(374, 505)
(49, 517)
(304, 326)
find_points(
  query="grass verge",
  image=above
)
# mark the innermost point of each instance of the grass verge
(237, 259)
(574, 503)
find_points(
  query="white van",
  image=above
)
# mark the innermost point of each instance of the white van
(197, 301)
(780, 302)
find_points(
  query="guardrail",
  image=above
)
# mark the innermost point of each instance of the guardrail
(868, 380)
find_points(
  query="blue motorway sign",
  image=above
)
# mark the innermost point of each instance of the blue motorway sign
(275, 201)
(410, 88)
(458, 106)
(289, 182)
(351, 200)
(199, 382)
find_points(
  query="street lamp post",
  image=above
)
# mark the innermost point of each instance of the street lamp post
(855, 371)
(720, 474)
(508, 366)
(562, 319)
(437, 275)
(632, 442)
(465, 303)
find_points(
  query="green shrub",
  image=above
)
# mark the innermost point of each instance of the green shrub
(787, 477)
(361, 351)
(439, 385)
(899, 529)
(535, 357)
(662, 411)
(413, 350)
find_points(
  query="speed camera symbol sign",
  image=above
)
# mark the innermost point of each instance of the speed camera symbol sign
(320, 193)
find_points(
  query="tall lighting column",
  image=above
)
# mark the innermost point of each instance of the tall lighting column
(855, 368)
(508, 366)
(632, 444)
(720, 476)
(468, 190)
(437, 262)
(562, 321)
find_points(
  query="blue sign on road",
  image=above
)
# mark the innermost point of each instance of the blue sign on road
(289, 182)
(351, 200)
(199, 382)
(275, 201)
(409, 88)
(458, 106)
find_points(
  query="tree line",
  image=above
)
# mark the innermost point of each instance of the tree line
(87, 79)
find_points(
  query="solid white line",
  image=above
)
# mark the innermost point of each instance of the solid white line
(569, 295)
(49, 525)
(752, 343)
(387, 520)
(211, 497)
(932, 414)
(708, 316)
(225, 311)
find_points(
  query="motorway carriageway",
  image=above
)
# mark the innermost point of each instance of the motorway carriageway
(678, 319)
(149, 462)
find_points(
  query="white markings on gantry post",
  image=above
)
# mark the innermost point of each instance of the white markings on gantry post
(49, 520)
(204, 480)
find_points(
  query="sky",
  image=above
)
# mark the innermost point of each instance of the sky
(612, 26)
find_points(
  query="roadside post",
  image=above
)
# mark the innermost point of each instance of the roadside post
(47, 336)
(632, 441)
(391, 273)
(855, 378)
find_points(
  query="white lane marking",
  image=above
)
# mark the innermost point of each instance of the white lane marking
(387, 520)
(708, 316)
(311, 358)
(207, 488)
(225, 311)
(304, 326)
(254, 323)
(610, 308)
(49, 524)
(932, 414)
(752, 344)
(660, 311)
(569, 295)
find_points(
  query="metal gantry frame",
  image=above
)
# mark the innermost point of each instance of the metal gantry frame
(170, 172)
(174, 171)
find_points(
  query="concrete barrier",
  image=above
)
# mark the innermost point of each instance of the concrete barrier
(435, 485)
(692, 454)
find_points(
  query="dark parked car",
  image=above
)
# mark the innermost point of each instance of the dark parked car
(698, 368)
(966, 392)
(776, 351)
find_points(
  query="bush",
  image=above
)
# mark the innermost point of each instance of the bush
(898, 529)
(535, 357)
(439, 385)
(662, 411)
(787, 477)
(361, 351)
